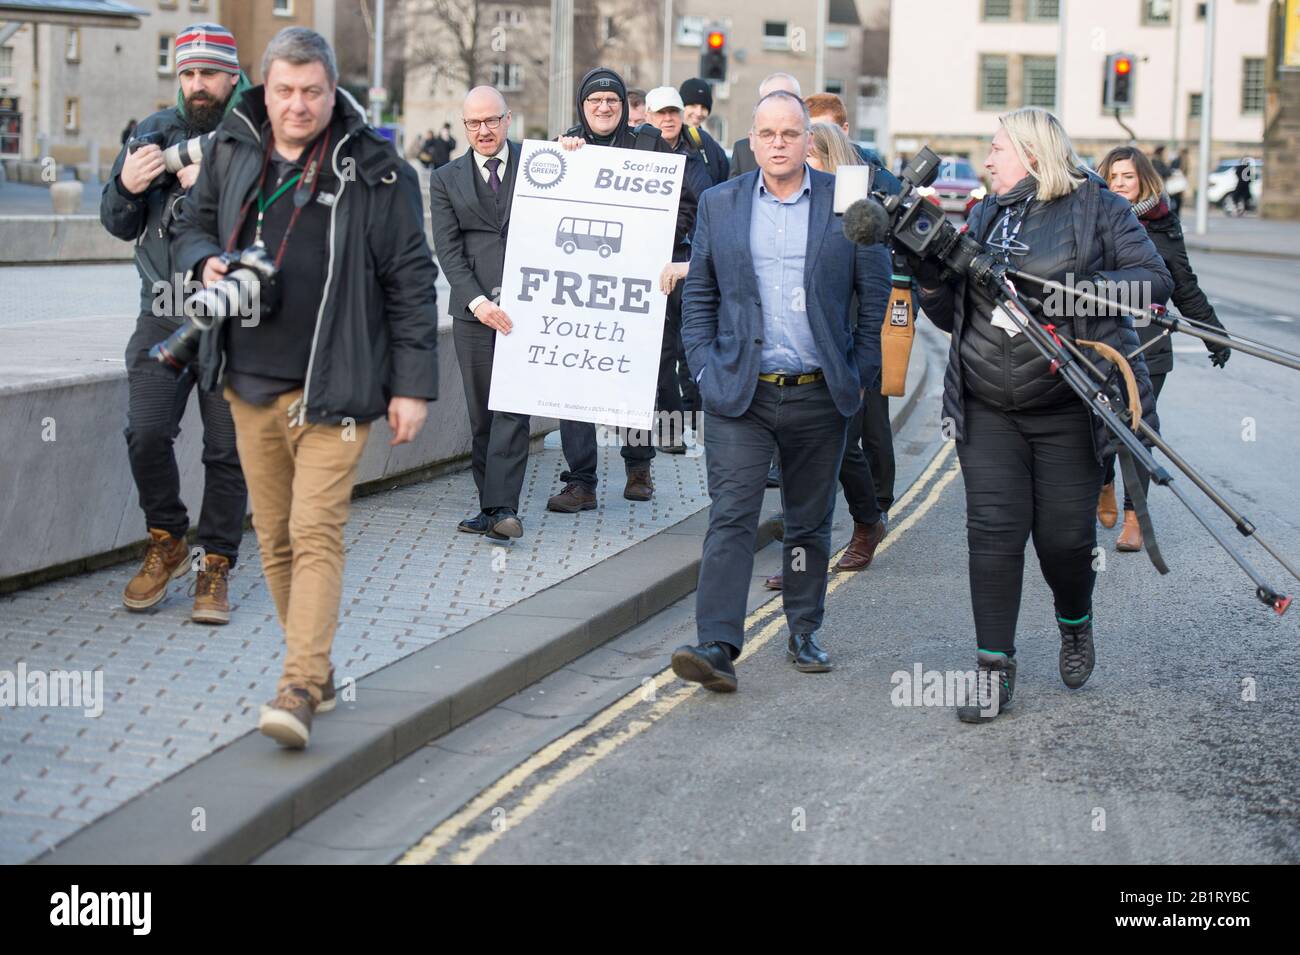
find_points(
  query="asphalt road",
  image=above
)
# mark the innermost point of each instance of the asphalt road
(1181, 748)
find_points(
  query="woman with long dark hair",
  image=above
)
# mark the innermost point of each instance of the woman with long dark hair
(1029, 451)
(1132, 176)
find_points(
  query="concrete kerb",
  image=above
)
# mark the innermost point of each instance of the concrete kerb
(405, 705)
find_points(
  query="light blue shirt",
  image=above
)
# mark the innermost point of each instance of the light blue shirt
(778, 242)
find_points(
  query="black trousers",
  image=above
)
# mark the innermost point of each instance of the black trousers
(878, 445)
(1157, 382)
(156, 404)
(499, 453)
(578, 438)
(677, 361)
(1028, 473)
(802, 424)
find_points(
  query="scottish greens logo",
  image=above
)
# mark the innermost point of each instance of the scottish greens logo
(545, 168)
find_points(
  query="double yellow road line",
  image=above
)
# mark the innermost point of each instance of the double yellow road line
(659, 697)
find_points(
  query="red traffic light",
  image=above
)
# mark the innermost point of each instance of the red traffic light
(716, 40)
(1123, 66)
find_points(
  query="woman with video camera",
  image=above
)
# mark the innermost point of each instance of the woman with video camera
(1029, 449)
(1130, 174)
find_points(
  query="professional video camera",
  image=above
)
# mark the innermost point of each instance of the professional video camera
(920, 229)
(250, 287)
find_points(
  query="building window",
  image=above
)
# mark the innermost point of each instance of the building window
(837, 39)
(164, 53)
(6, 62)
(774, 35)
(1043, 10)
(1157, 12)
(72, 51)
(690, 31)
(608, 30)
(1040, 81)
(867, 135)
(993, 81)
(506, 76)
(1252, 85)
(835, 86)
(997, 9)
(1194, 106)
(282, 8)
(71, 114)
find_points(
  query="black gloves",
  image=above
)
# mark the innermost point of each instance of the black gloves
(1219, 355)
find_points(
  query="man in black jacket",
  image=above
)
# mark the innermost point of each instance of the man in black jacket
(138, 205)
(296, 169)
(602, 104)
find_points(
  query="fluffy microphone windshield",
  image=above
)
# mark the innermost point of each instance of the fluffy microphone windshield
(866, 222)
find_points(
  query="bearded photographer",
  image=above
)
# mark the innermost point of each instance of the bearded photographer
(296, 176)
(139, 204)
(1030, 452)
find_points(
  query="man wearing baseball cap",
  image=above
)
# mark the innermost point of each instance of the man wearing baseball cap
(139, 203)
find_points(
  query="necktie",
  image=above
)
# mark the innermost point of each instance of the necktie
(493, 179)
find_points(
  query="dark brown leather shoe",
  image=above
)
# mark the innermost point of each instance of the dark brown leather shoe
(212, 591)
(862, 546)
(165, 559)
(640, 486)
(575, 497)
(287, 718)
(775, 582)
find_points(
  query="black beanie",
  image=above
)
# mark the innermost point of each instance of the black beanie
(696, 92)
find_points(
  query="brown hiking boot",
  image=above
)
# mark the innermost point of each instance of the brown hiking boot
(862, 546)
(1130, 538)
(1107, 509)
(165, 559)
(211, 591)
(640, 486)
(575, 497)
(287, 718)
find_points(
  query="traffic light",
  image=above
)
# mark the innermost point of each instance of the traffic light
(1119, 81)
(713, 57)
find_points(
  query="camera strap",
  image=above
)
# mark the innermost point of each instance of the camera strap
(306, 183)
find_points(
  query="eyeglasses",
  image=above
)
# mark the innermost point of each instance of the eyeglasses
(606, 102)
(492, 122)
(788, 136)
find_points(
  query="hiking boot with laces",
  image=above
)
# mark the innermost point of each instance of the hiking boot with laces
(211, 591)
(1077, 655)
(575, 497)
(165, 559)
(996, 672)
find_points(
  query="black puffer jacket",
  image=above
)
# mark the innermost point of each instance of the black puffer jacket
(1090, 234)
(1166, 231)
(376, 333)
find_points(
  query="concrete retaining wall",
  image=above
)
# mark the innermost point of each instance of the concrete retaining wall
(61, 240)
(68, 498)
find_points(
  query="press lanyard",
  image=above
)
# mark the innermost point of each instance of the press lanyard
(1008, 242)
(306, 182)
(264, 204)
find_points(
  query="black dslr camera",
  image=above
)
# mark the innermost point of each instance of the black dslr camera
(250, 289)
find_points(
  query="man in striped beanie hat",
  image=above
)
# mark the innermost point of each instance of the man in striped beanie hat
(138, 205)
(207, 63)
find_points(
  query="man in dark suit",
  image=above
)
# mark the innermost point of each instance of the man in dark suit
(469, 201)
(781, 357)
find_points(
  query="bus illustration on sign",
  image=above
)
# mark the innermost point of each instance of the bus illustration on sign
(605, 237)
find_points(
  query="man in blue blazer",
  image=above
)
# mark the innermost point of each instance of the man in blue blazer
(781, 322)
